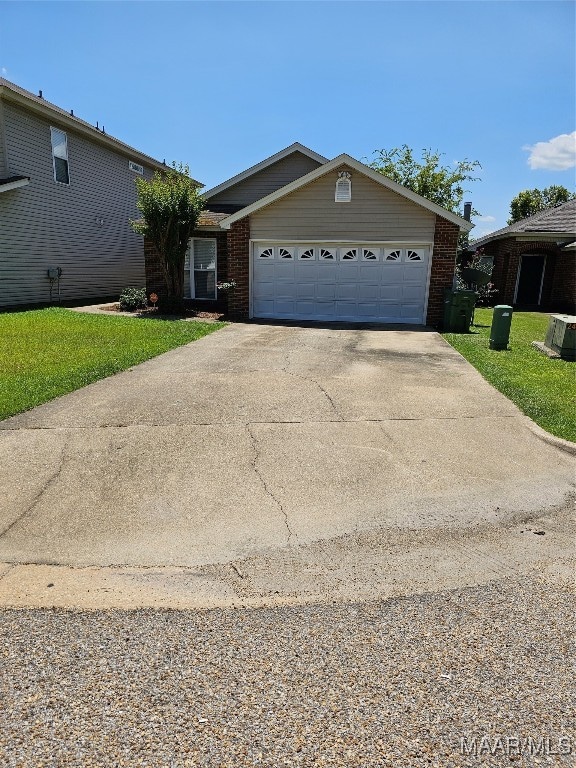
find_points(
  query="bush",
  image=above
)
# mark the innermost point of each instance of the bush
(132, 299)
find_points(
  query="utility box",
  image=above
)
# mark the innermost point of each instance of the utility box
(561, 336)
(458, 310)
(500, 330)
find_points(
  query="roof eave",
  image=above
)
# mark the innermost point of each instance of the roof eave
(15, 184)
(296, 147)
(54, 113)
(344, 159)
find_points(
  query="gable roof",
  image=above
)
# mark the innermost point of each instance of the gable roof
(361, 168)
(12, 93)
(296, 147)
(560, 220)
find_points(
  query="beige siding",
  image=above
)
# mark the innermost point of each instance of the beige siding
(374, 213)
(49, 224)
(267, 180)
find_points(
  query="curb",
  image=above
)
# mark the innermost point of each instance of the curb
(557, 442)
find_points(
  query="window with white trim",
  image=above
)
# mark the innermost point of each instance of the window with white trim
(200, 269)
(60, 156)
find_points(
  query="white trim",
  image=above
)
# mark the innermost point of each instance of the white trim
(312, 241)
(14, 185)
(427, 294)
(464, 225)
(192, 270)
(296, 147)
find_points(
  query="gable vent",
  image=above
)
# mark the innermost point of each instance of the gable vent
(343, 188)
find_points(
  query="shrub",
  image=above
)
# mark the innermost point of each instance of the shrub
(132, 299)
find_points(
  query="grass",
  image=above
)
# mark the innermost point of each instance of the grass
(544, 389)
(49, 352)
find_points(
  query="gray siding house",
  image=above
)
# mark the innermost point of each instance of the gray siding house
(67, 195)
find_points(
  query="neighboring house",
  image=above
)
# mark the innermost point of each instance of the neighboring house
(534, 260)
(306, 238)
(67, 195)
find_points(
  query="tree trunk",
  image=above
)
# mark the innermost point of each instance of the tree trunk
(173, 302)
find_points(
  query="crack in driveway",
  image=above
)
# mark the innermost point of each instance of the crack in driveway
(317, 383)
(45, 487)
(254, 441)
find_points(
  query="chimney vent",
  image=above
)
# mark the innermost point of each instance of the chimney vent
(40, 94)
(467, 211)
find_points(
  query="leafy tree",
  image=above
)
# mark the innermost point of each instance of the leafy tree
(170, 205)
(531, 201)
(442, 184)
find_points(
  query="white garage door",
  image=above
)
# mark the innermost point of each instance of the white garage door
(356, 283)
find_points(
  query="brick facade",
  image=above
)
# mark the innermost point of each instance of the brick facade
(559, 285)
(239, 269)
(155, 279)
(442, 269)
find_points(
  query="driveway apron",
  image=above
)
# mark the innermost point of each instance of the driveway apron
(261, 437)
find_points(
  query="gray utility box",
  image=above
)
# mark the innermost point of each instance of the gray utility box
(561, 336)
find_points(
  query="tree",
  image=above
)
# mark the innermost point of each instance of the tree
(442, 185)
(531, 201)
(170, 205)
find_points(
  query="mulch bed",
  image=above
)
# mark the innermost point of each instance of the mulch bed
(153, 312)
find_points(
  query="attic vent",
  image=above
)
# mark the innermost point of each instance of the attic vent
(343, 188)
(134, 166)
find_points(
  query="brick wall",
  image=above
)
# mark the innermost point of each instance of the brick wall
(239, 269)
(155, 279)
(443, 267)
(563, 288)
(559, 286)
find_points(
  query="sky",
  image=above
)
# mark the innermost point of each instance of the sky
(222, 85)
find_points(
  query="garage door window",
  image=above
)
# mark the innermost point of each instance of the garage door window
(200, 269)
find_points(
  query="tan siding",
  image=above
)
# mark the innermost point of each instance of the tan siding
(374, 213)
(49, 224)
(266, 181)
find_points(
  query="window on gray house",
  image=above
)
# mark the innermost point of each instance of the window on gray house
(60, 155)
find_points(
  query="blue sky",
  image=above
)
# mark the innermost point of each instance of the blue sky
(222, 85)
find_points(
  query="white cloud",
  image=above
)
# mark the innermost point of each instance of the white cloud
(486, 219)
(3, 71)
(557, 154)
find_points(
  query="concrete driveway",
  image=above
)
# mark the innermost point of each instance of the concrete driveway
(263, 436)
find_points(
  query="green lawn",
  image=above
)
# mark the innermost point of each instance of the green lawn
(543, 389)
(48, 352)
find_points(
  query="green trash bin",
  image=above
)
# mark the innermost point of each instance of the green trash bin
(458, 310)
(500, 330)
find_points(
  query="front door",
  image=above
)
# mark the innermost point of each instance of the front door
(530, 278)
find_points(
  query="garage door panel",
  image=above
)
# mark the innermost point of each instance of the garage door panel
(266, 270)
(369, 291)
(286, 289)
(351, 289)
(369, 273)
(414, 273)
(306, 290)
(413, 292)
(264, 307)
(392, 291)
(264, 289)
(325, 291)
(347, 291)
